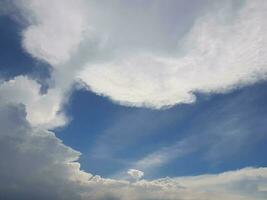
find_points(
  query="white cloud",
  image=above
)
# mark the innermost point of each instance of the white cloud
(135, 174)
(223, 50)
(35, 164)
(42, 109)
(164, 155)
(240, 185)
(216, 56)
(56, 28)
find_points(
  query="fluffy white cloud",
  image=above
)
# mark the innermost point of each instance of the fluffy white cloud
(242, 184)
(135, 174)
(56, 28)
(224, 49)
(42, 109)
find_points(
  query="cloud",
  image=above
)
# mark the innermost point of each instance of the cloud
(135, 174)
(226, 133)
(56, 29)
(242, 184)
(43, 110)
(166, 154)
(215, 56)
(35, 164)
(225, 49)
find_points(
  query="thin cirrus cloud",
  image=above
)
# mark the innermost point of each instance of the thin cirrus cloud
(236, 121)
(217, 54)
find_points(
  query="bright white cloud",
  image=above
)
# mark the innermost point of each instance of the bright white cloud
(223, 50)
(56, 28)
(135, 174)
(242, 184)
(42, 109)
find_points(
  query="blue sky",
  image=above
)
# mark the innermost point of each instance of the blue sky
(112, 100)
(229, 130)
(14, 59)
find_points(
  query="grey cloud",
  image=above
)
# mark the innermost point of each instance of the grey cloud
(34, 163)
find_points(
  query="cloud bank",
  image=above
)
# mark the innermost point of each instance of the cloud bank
(35, 164)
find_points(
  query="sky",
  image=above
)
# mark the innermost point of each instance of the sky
(136, 100)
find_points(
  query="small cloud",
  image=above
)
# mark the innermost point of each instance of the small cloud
(135, 174)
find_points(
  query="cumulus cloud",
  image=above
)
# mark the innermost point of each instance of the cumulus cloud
(135, 174)
(56, 28)
(36, 165)
(244, 184)
(42, 109)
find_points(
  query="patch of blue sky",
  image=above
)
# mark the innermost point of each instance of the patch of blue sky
(217, 133)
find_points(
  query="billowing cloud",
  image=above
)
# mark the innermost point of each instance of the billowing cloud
(242, 184)
(135, 174)
(42, 109)
(225, 49)
(35, 164)
(56, 29)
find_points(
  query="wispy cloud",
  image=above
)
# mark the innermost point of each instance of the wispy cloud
(229, 130)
